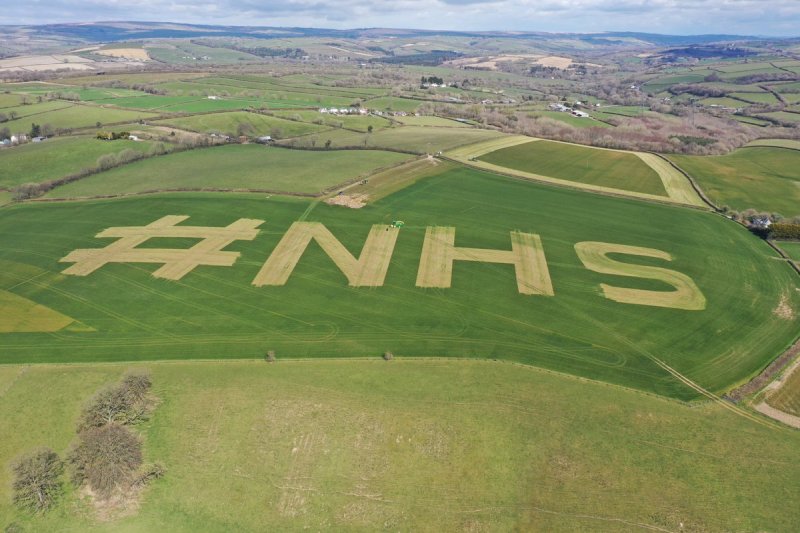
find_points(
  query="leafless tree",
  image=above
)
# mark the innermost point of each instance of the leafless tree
(36, 479)
(106, 458)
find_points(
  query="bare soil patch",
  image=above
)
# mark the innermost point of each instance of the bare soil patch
(139, 54)
(783, 309)
(558, 62)
(356, 201)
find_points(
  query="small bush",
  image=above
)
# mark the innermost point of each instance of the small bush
(26, 191)
(149, 473)
(388, 356)
(270, 357)
(36, 480)
(126, 403)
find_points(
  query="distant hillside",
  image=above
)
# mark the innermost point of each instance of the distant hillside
(122, 31)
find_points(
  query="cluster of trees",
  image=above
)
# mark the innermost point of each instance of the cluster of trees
(431, 79)
(106, 456)
(117, 84)
(785, 230)
(63, 95)
(703, 91)
(264, 51)
(12, 115)
(112, 135)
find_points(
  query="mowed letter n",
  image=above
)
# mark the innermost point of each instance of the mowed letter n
(439, 252)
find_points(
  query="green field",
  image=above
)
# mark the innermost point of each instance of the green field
(352, 122)
(23, 112)
(779, 143)
(63, 156)
(725, 102)
(783, 117)
(411, 120)
(230, 124)
(762, 178)
(77, 116)
(392, 103)
(418, 139)
(758, 98)
(9, 100)
(567, 118)
(482, 315)
(248, 166)
(571, 162)
(792, 249)
(154, 102)
(411, 445)
(750, 120)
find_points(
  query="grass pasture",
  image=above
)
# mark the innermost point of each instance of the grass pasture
(605, 168)
(248, 166)
(783, 117)
(761, 177)
(777, 143)
(750, 120)
(23, 112)
(423, 445)
(791, 248)
(567, 118)
(230, 124)
(411, 120)
(63, 155)
(482, 315)
(77, 116)
(393, 103)
(417, 139)
(9, 100)
(352, 122)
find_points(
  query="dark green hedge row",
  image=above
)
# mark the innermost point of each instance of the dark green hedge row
(782, 230)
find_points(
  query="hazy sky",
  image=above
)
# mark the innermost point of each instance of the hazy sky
(751, 17)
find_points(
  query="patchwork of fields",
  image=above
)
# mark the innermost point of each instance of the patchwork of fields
(559, 321)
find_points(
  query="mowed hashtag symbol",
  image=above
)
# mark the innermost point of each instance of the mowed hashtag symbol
(176, 262)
